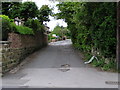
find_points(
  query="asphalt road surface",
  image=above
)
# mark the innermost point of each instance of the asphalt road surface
(58, 66)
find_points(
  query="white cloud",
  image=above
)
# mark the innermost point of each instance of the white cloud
(53, 21)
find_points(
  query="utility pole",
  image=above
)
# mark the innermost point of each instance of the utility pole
(118, 35)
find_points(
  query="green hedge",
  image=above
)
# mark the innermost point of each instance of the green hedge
(92, 26)
(21, 29)
(6, 17)
(9, 26)
(35, 25)
(6, 28)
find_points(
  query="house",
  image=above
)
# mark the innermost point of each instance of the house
(18, 21)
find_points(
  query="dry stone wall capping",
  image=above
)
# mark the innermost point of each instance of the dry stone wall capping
(18, 47)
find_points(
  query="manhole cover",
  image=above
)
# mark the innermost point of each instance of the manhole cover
(113, 82)
(65, 67)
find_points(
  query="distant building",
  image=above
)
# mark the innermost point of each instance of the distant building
(47, 29)
(18, 21)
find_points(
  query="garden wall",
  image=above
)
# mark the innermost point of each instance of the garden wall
(18, 47)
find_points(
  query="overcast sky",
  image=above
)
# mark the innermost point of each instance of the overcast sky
(53, 21)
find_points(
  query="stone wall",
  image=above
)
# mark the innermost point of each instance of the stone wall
(25, 41)
(19, 47)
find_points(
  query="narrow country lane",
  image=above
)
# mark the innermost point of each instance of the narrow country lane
(58, 66)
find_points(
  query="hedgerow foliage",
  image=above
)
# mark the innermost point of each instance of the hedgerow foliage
(6, 28)
(21, 29)
(9, 26)
(29, 13)
(92, 25)
(35, 25)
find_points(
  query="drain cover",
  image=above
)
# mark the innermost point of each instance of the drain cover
(113, 82)
(65, 67)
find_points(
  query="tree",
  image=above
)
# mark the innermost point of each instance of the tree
(61, 31)
(29, 10)
(91, 24)
(43, 14)
(11, 9)
(15, 10)
(26, 10)
(22, 10)
(5, 7)
(93, 28)
(67, 11)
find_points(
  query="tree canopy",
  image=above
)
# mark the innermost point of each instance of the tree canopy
(11, 9)
(61, 31)
(43, 13)
(26, 10)
(91, 25)
(29, 10)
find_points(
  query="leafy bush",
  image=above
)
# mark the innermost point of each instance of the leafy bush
(6, 28)
(111, 65)
(21, 29)
(99, 63)
(24, 30)
(53, 37)
(6, 18)
(92, 25)
(13, 27)
(61, 31)
(28, 23)
(35, 25)
(9, 26)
